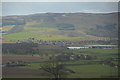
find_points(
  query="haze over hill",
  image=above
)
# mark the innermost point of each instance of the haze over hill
(61, 26)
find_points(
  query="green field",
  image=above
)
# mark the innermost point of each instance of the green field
(44, 37)
(93, 71)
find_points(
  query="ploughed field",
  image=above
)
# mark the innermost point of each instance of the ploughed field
(18, 72)
(23, 58)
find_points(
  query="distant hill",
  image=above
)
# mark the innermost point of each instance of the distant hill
(61, 26)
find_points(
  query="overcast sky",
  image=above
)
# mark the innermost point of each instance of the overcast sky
(24, 8)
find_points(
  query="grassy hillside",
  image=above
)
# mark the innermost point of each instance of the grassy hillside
(60, 26)
(44, 37)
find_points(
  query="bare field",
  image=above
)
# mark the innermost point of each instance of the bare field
(6, 59)
(12, 71)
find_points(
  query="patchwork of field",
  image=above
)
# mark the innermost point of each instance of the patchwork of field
(24, 61)
(60, 26)
(43, 32)
(81, 68)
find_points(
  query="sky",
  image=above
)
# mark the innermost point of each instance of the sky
(60, 0)
(25, 8)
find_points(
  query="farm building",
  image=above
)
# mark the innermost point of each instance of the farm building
(77, 47)
(102, 46)
(95, 46)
